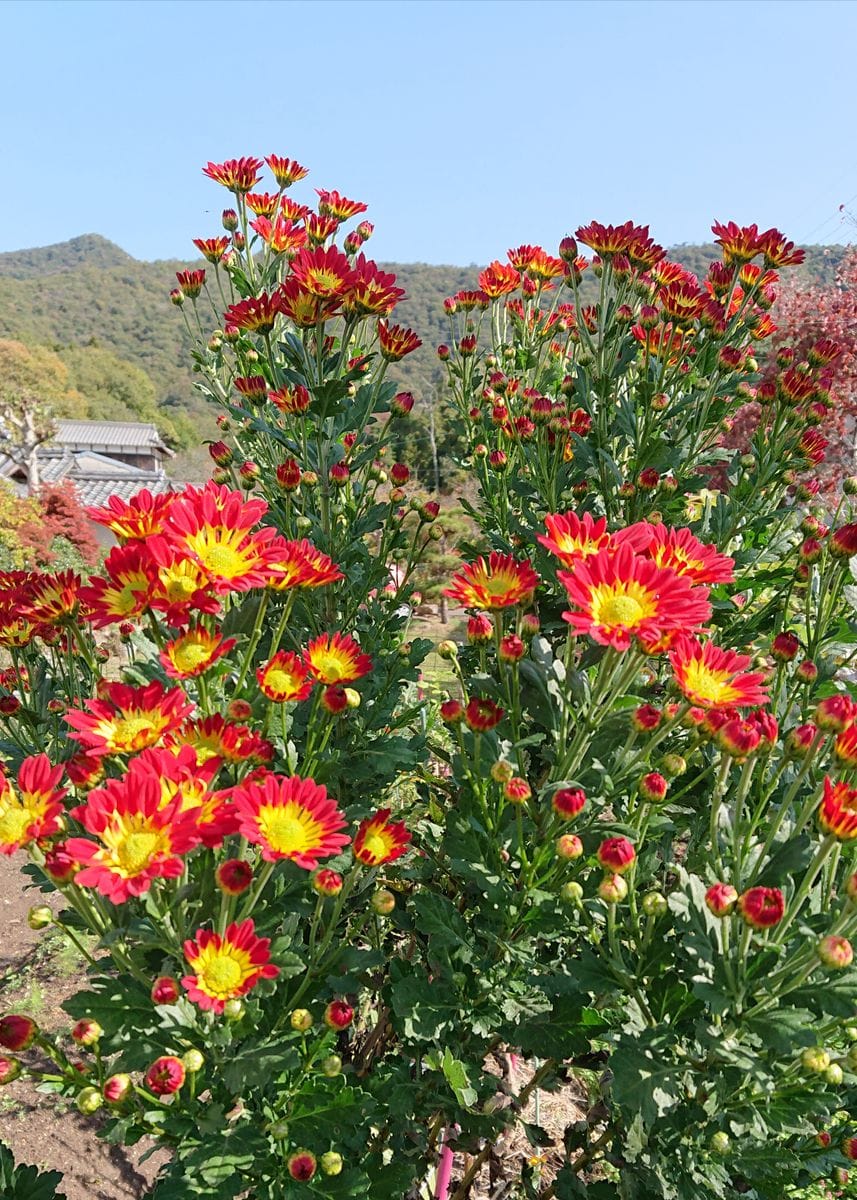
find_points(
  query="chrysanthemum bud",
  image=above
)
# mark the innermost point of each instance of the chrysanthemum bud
(616, 855)
(571, 893)
(194, 1061)
(653, 787)
(568, 802)
(10, 1069)
(720, 899)
(117, 1088)
(569, 846)
(40, 917)
(220, 453)
(288, 475)
(807, 671)
(612, 889)
(234, 876)
(762, 907)
(331, 1066)
(327, 882)
(646, 718)
(654, 904)
(835, 952)
(234, 1009)
(338, 1015)
(673, 765)
(785, 647)
(501, 771)
(719, 1143)
(843, 541)
(165, 990)
(383, 902)
(89, 1100)
(512, 648)
(301, 1165)
(331, 1163)
(836, 712)
(479, 629)
(815, 1059)
(301, 1020)
(86, 1032)
(333, 699)
(452, 712)
(517, 791)
(165, 1076)
(401, 404)
(447, 650)
(17, 1032)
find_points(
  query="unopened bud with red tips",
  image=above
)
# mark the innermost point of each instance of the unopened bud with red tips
(301, 1165)
(466, 345)
(89, 1100)
(849, 1148)
(383, 902)
(569, 846)
(843, 541)
(17, 1032)
(126, 630)
(86, 1032)
(807, 671)
(823, 1139)
(239, 710)
(40, 917)
(327, 882)
(9, 705)
(339, 474)
(10, 1069)
(176, 297)
(653, 787)
(479, 629)
(567, 803)
(738, 738)
(301, 1020)
(498, 460)
(616, 855)
(512, 648)
(447, 650)
(529, 625)
(836, 712)
(117, 1088)
(502, 772)
(443, 352)
(452, 712)
(810, 551)
(835, 952)
(785, 647)
(612, 889)
(165, 990)
(338, 1015)
(331, 1066)
(659, 402)
(229, 219)
(400, 474)
(720, 899)
(654, 904)
(288, 475)
(646, 718)
(648, 479)
(248, 473)
(517, 790)
(238, 241)
(568, 249)
(334, 700)
(762, 907)
(234, 876)
(401, 404)
(673, 765)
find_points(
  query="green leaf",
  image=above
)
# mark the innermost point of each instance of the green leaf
(456, 1076)
(26, 1183)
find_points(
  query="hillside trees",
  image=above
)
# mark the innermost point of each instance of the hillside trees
(34, 386)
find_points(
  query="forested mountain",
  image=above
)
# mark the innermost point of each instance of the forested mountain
(89, 292)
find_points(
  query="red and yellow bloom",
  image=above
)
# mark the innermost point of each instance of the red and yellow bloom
(140, 517)
(224, 968)
(499, 581)
(285, 678)
(336, 658)
(678, 550)
(139, 839)
(33, 809)
(380, 840)
(129, 719)
(837, 813)
(619, 595)
(572, 538)
(712, 677)
(290, 818)
(193, 652)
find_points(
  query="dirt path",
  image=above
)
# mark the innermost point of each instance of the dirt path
(36, 975)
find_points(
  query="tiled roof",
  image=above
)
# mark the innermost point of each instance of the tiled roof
(98, 491)
(128, 435)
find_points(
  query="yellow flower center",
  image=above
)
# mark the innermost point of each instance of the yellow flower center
(330, 666)
(222, 560)
(707, 686)
(376, 846)
(625, 604)
(178, 583)
(288, 828)
(14, 823)
(278, 680)
(220, 975)
(131, 733)
(132, 844)
(190, 656)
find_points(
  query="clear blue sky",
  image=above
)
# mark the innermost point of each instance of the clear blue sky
(467, 126)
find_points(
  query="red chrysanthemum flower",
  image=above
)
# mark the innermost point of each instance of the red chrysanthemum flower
(396, 341)
(331, 204)
(193, 652)
(52, 599)
(285, 170)
(499, 581)
(679, 550)
(236, 174)
(214, 737)
(263, 204)
(123, 592)
(325, 273)
(165, 1076)
(282, 235)
(336, 658)
(128, 718)
(140, 517)
(499, 279)
(608, 240)
(212, 249)
(837, 813)
(139, 839)
(319, 228)
(33, 809)
(762, 907)
(380, 840)
(481, 715)
(225, 968)
(182, 590)
(190, 282)
(778, 251)
(299, 564)
(740, 243)
(619, 595)
(184, 777)
(712, 677)
(303, 307)
(572, 538)
(285, 678)
(290, 818)
(212, 526)
(256, 314)
(372, 291)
